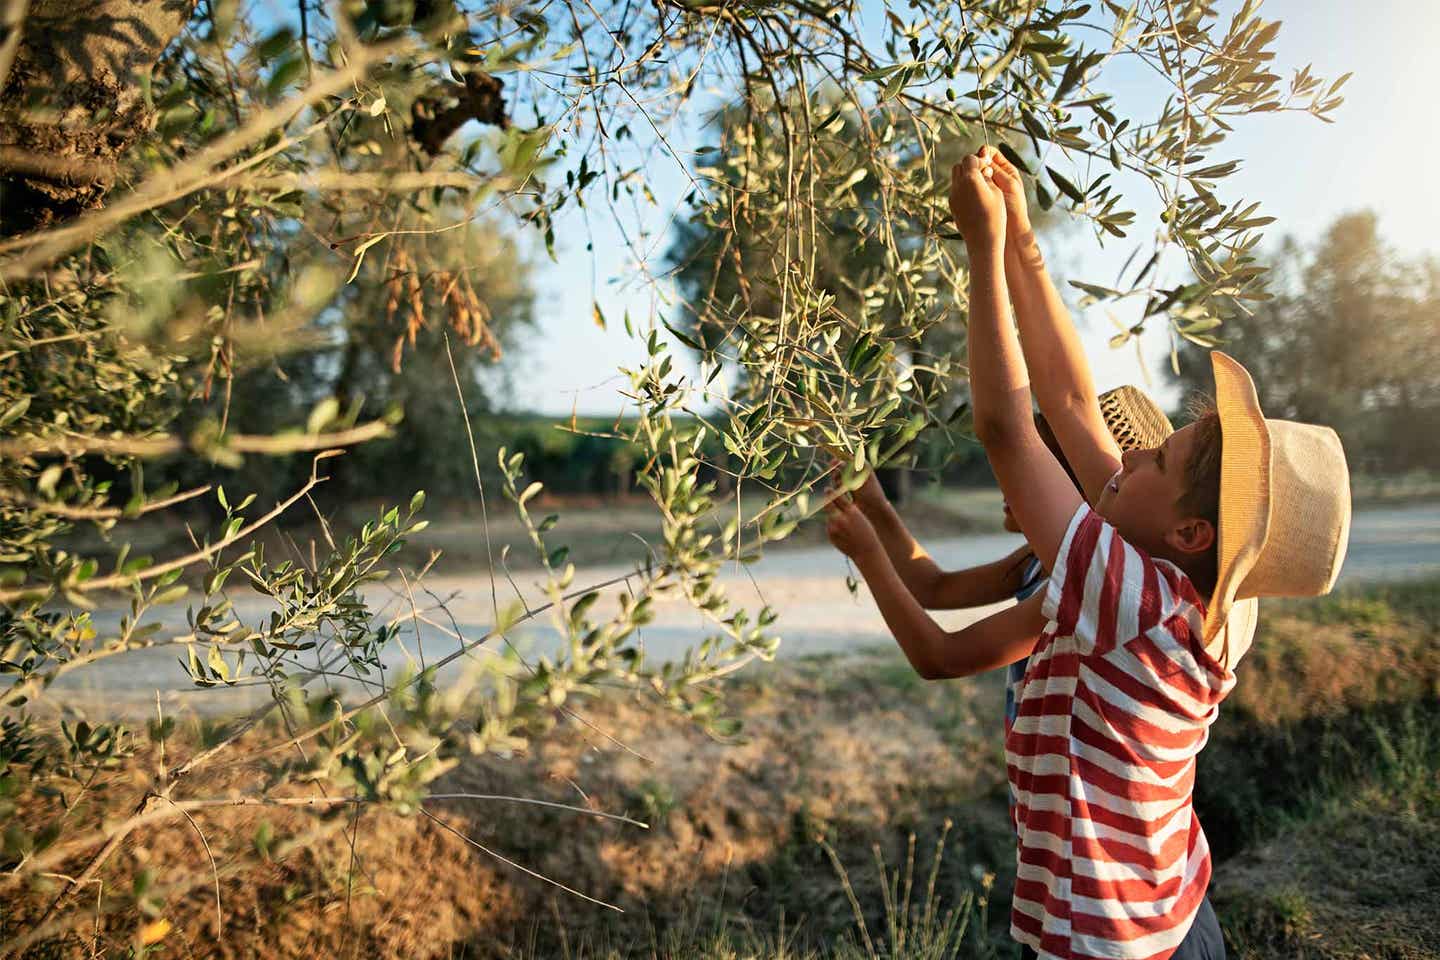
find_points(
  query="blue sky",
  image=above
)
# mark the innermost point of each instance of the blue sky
(1304, 171)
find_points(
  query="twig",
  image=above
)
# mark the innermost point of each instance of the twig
(523, 869)
(479, 483)
(99, 513)
(119, 580)
(540, 803)
(219, 912)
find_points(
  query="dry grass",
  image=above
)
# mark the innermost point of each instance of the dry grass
(1320, 792)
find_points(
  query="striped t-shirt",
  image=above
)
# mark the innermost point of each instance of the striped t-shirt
(1117, 701)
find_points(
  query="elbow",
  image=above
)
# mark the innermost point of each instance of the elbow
(929, 658)
(933, 672)
(926, 590)
(996, 431)
(921, 656)
(926, 670)
(1063, 399)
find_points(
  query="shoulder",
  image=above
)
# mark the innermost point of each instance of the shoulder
(1112, 591)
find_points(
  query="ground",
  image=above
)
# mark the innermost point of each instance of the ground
(1320, 792)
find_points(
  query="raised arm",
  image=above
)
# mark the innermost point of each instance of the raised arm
(1064, 386)
(1039, 493)
(934, 652)
(932, 587)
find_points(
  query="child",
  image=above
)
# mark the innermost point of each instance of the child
(1133, 420)
(1148, 607)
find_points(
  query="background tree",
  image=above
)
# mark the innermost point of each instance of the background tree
(726, 277)
(1347, 341)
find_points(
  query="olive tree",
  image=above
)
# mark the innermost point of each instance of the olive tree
(190, 192)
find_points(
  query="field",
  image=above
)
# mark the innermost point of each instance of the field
(1320, 792)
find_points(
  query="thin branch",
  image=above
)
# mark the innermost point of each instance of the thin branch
(523, 869)
(219, 911)
(118, 580)
(74, 445)
(479, 483)
(540, 803)
(99, 513)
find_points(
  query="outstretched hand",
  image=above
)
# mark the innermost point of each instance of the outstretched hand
(1004, 175)
(869, 496)
(977, 203)
(849, 530)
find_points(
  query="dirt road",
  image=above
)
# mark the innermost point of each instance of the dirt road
(806, 586)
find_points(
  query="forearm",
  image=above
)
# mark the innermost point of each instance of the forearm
(1048, 338)
(999, 383)
(916, 568)
(919, 636)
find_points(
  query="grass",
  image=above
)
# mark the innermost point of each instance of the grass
(1320, 790)
(917, 922)
(1400, 488)
(862, 815)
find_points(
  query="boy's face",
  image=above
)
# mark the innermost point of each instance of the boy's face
(1142, 499)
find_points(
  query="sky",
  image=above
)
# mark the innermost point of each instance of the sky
(1305, 172)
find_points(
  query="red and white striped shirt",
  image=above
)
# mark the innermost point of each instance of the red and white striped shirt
(1117, 702)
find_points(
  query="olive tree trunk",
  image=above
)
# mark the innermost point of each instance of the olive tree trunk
(72, 98)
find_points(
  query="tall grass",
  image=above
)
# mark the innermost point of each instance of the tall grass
(916, 922)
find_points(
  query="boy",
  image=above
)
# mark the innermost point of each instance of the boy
(1149, 606)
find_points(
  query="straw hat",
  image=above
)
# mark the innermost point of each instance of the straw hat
(1133, 419)
(1284, 510)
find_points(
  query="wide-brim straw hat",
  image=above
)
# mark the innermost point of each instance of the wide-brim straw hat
(1134, 420)
(1284, 509)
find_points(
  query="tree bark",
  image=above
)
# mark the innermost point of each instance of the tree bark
(72, 103)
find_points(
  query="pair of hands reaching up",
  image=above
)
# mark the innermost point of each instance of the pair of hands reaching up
(846, 522)
(987, 199)
(987, 202)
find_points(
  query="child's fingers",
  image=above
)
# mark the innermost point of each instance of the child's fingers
(998, 160)
(1008, 179)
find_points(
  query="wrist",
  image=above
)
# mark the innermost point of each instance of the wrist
(867, 555)
(876, 510)
(1023, 246)
(990, 248)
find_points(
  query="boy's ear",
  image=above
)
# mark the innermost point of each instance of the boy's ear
(1192, 535)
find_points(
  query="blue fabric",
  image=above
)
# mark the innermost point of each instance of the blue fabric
(1032, 578)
